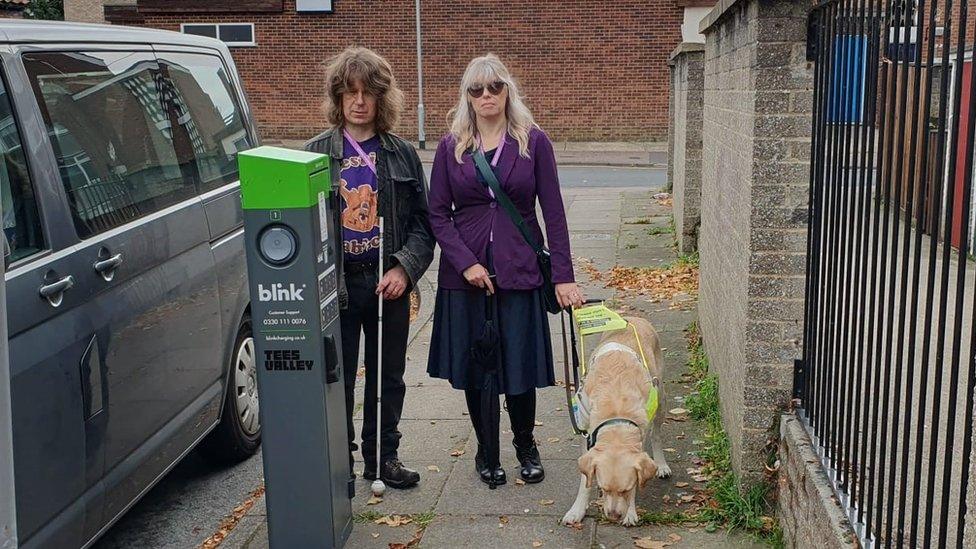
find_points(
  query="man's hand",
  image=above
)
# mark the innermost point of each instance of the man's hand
(394, 283)
(477, 276)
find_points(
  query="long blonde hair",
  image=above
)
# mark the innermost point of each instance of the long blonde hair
(462, 117)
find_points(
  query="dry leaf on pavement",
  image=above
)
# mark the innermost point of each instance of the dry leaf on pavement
(374, 500)
(681, 484)
(538, 423)
(433, 468)
(546, 502)
(648, 543)
(519, 482)
(503, 519)
(393, 520)
(677, 411)
(536, 543)
(674, 537)
(457, 453)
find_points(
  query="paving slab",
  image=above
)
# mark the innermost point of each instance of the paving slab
(487, 532)
(427, 440)
(421, 498)
(464, 493)
(610, 536)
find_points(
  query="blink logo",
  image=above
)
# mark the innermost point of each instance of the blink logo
(278, 292)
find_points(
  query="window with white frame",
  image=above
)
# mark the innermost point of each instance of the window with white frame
(313, 6)
(232, 34)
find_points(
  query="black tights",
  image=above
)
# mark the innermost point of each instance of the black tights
(521, 413)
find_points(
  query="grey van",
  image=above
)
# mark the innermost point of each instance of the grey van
(127, 297)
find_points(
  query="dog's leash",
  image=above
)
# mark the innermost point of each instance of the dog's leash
(575, 364)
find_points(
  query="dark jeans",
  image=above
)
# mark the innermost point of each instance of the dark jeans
(361, 317)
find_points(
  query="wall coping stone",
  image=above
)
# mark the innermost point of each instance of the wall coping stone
(683, 48)
(837, 532)
(717, 13)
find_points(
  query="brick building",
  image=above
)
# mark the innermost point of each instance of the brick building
(590, 70)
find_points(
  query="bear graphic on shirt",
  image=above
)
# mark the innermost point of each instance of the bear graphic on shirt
(360, 211)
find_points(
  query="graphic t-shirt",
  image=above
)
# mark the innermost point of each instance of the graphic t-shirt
(360, 225)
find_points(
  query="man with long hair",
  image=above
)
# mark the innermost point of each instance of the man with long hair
(376, 174)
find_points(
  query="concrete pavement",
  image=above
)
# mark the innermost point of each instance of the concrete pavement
(452, 507)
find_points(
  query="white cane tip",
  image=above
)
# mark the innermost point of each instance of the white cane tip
(378, 488)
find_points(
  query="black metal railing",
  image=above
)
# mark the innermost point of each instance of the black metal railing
(886, 383)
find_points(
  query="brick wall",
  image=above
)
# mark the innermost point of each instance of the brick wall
(756, 139)
(685, 147)
(590, 70)
(85, 11)
(807, 508)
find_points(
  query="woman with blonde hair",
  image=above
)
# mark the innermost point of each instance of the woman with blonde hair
(489, 172)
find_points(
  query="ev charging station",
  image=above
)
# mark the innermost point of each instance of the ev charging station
(291, 264)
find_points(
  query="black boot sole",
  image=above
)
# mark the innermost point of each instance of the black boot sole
(534, 481)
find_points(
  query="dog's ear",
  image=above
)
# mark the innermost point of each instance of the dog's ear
(646, 469)
(587, 466)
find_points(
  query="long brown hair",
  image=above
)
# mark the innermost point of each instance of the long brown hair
(374, 73)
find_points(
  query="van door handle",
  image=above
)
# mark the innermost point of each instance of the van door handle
(106, 267)
(54, 292)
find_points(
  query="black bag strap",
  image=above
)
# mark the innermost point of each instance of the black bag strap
(488, 175)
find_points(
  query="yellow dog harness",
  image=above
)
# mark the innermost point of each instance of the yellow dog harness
(597, 319)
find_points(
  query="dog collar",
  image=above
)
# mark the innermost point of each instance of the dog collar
(591, 438)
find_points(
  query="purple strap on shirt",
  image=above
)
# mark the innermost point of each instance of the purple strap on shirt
(359, 150)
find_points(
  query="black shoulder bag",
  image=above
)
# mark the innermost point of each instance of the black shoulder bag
(542, 255)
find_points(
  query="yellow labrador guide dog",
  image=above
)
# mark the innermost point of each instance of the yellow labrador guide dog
(614, 403)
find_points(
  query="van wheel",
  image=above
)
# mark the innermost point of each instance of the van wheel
(238, 435)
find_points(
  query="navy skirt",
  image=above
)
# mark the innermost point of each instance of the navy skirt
(523, 326)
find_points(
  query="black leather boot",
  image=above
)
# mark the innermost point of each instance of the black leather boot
(395, 475)
(527, 453)
(485, 473)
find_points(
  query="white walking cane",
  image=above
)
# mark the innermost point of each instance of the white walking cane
(378, 487)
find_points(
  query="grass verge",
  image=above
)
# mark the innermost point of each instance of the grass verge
(731, 505)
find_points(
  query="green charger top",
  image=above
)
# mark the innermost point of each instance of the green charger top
(276, 178)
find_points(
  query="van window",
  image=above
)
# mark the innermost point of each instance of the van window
(113, 135)
(21, 223)
(206, 106)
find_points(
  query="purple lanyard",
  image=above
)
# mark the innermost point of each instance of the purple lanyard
(498, 150)
(494, 159)
(359, 150)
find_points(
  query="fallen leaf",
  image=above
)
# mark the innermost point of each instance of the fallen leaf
(519, 482)
(433, 468)
(552, 440)
(393, 520)
(375, 535)
(671, 450)
(457, 453)
(648, 543)
(699, 478)
(536, 543)
(665, 498)
(503, 519)
(677, 411)
(687, 499)
(539, 423)
(374, 500)
(546, 502)
(674, 537)
(681, 484)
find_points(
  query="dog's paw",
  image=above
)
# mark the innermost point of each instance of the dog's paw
(631, 519)
(663, 471)
(573, 516)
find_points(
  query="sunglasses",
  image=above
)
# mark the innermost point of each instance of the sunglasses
(478, 90)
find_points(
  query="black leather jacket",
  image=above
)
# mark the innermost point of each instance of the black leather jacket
(402, 188)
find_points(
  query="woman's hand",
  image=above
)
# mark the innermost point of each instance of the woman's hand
(476, 275)
(569, 294)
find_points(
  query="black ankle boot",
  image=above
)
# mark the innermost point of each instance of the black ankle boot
(527, 453)
(484, 472)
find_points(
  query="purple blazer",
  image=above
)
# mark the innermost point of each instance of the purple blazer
(463, 213)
